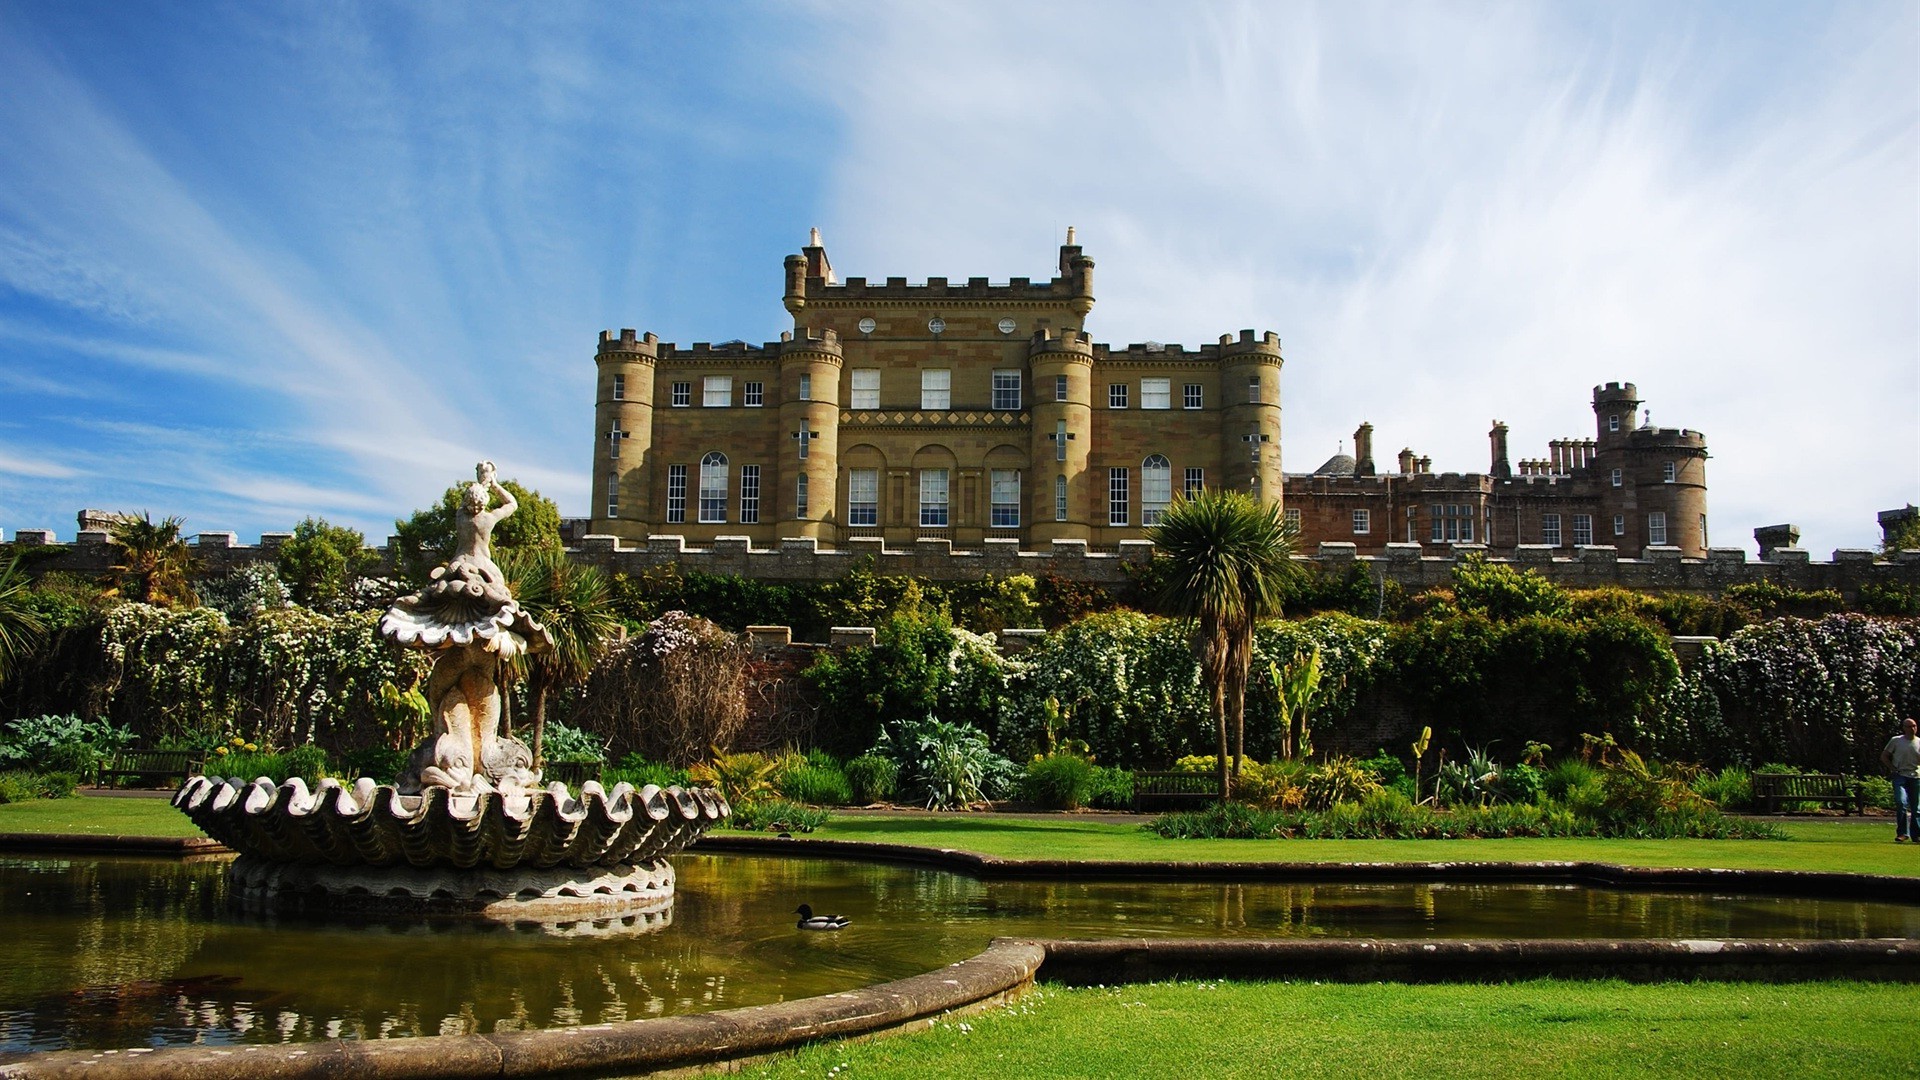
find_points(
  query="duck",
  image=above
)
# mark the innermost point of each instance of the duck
(810, 921)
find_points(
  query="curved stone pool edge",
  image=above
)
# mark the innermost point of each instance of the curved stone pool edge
(1807, 883)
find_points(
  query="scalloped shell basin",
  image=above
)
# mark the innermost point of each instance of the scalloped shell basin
(369, 847)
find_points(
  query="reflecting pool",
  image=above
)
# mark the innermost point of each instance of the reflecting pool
(105, 953)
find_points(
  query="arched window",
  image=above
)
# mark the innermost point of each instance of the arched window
(713, 488)
(1156, 488)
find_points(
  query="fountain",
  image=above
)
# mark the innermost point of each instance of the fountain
(466, 828)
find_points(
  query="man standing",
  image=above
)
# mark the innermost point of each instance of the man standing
(1902, 756)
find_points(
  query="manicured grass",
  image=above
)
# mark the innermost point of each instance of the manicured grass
(95, 816)
(1570, 1029)
(1816, 844)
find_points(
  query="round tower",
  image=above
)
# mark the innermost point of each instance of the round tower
(809, 435)
(623, 434)
(1250, 414)
(1615, 413)
(1663, 496)
(1062, 438)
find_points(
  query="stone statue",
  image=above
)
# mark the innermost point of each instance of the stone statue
(468, 618)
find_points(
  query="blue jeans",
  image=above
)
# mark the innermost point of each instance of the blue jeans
(1906, 806)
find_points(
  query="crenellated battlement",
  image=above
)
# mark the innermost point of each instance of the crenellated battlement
(898, 290)
(628, 341)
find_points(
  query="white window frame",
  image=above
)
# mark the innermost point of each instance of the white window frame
(936, 389)
(615, 437)
(619, 387)
(1006, 390)
(713, 488)
(863, 388)
(613, 495)
(806, 386)
(753, 395)
(1550, 529)
(1192, 396)
(681, 396)
(1060, 497)
(934, 499)
(1156, 393)
(716, 392)
(1618, 478)
(1452, 523)
(1613, 423)
(1119, 494)
(1669, 472)
(749, 494)
(863, 497)
(1362, 522)
(1657, 528)
(1291, 518)
(1003, 497)
(800, 495)
(1582, 530)
(676, 494)
(1253, 389)
(1117, 395)
(1619, 524)
(1060, 434)
(1156, 488)
(1059, 388)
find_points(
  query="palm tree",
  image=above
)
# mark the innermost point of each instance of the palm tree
(20, 625)
(1229, 556)
(154, 563)
(575, 605)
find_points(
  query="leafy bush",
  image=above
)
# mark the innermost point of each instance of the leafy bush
(1569, 775)
(1110, 789)
(559, 742)
(1730, 789)
(1058, 782)
(947, 766)
(872, 778)
(1386, 767)
(635, 769)
(20, 785)
(814, 778)
(60, 744)
(1336, 781)
(1877, 791)
(776, 815)
(249, 762)
(741, 778)
(382, 763)
(1222, 821)
(1521, 783)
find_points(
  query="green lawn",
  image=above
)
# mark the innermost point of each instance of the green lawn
(1816, 844)
(94, 816)
(1576, 1029)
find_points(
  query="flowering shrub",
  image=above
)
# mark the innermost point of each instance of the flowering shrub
(672, 694)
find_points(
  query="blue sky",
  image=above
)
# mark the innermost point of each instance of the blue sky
(263, 261)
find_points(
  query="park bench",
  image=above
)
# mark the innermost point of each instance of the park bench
(570, 773)
(1773, 790)
(1156, 791)
(145, 766)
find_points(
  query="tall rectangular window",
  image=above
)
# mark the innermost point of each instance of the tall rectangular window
(682, 395)
(1156, 394)
(1616, 478)
(749, 494)
(1004, 492)
(614, 438)
(619, 387)
(1060, 440)
(1582, 530)
(716, 392)
(1059, 388)
(1006, 390)
(933, 498)
(753, 395)
(1619, 524)
(1613, 423)
(804, 436)
(1190, 396)
(1703, 530)
(936, 389)
(1117, 395)
(613, 495)
(863, 496)
(676, 494)
(1362, 522)
(1657, 528)
(806, 387)
(1196, 482)
(713, 488)
(866, 388)
(1550, 529)
(800, 496)
(1667, 472)
(1156, 488)
(1059, 498)
(1117, 497)
(1253, 389)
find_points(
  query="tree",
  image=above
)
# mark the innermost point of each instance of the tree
(20, 625)
(154, 563)
(321, 562)
(576, 607)
(1229, 557)
(426, 538)
(1902, 537)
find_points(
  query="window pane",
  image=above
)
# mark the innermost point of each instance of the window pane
(1117, 496)
(1059, 498)
(619, 388)
(713, 488)
(806, 387)
(755, 395)
(1582, 529)
(1362, 522)
(863, 496)
(613, 495)
(717, 392)
(1196, 482)
(1155, 394)
(936, 388)
(866, 388)
(682, 395)
(933, 497)
(1550, 529)
(1004, 486)
(749, 494)
(1117, 395)
(1190, 397)
(1006, 390)
(800, 496)
(1156, 485)
(1059, 388)
(1253, 389)
(1657, 528)
(676, 493)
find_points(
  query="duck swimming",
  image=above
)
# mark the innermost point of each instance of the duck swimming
(810, 921)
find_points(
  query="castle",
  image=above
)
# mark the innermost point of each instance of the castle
(978, 412)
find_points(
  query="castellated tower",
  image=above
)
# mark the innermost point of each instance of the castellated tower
(809, 434)
(1652, 480)
(1250, 414)
(623, 428)
(1062, 436)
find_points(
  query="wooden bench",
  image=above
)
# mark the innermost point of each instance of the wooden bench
(570, 773)
(1772, 790)
(1156, 791)
(171, 766)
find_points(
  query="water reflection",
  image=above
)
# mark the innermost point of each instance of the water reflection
(119, 953)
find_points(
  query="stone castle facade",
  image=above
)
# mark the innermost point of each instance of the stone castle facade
(894, 414)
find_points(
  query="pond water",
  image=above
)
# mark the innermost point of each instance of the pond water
(106, 953)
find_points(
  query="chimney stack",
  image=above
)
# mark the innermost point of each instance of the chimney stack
(1499, 438)
(1363, 450)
